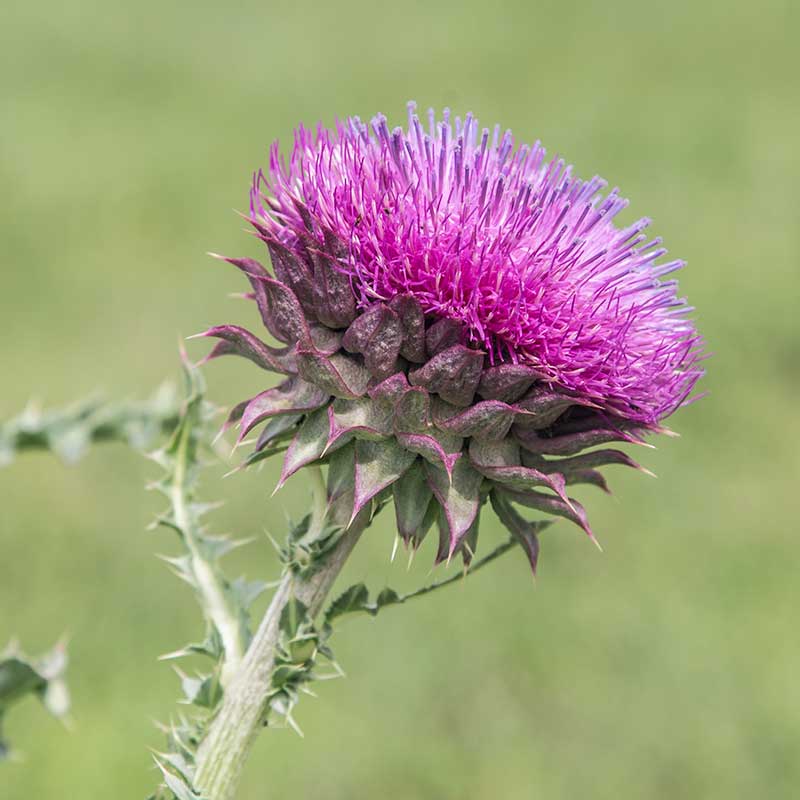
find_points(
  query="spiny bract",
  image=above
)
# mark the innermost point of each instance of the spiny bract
(461, 320)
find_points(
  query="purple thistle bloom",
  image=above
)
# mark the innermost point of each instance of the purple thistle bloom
(461, 321)
(512, 246)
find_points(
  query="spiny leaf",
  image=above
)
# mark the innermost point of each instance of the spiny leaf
(42, 677)
(204, 691)
(69, 432)
(177, 783)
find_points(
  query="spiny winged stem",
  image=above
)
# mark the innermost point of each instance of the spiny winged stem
(69, 432)
(224, 750)
(224, 604)
(208, 580)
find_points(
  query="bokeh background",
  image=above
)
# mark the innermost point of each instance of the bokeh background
(666, 666)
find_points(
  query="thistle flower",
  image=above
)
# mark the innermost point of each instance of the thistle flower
(462, 320)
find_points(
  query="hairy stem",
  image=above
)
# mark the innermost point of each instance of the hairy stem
(222, 754)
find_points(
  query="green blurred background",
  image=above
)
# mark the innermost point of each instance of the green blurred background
(665, 667)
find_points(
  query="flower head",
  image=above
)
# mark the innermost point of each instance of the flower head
(456, 312)
(512, 246)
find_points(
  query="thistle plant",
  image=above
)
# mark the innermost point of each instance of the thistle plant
(456, 321)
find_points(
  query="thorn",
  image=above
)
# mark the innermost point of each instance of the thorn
(183, 354)
(339, 670)
(294, 726)
(595, 542)
(278, 487)
(647, 472)
(171, 656)
(272, 541)
(356, 511)
(469, 550)
(394, 549)
(664, 431)
(219, 435)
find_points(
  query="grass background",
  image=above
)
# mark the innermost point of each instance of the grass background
(666, 667)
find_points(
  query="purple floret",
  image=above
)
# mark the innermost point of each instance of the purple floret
(512, 246)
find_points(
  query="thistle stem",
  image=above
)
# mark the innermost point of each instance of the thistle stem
(209, 581)
(223, 752)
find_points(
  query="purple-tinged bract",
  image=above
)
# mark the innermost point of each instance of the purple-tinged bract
(526, 256)
(459, 321)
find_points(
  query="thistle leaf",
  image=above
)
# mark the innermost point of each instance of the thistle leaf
(42, 677)
(69, 432)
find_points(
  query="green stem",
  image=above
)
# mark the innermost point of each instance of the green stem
(496, 553)
(223, 752)
(208, 579)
